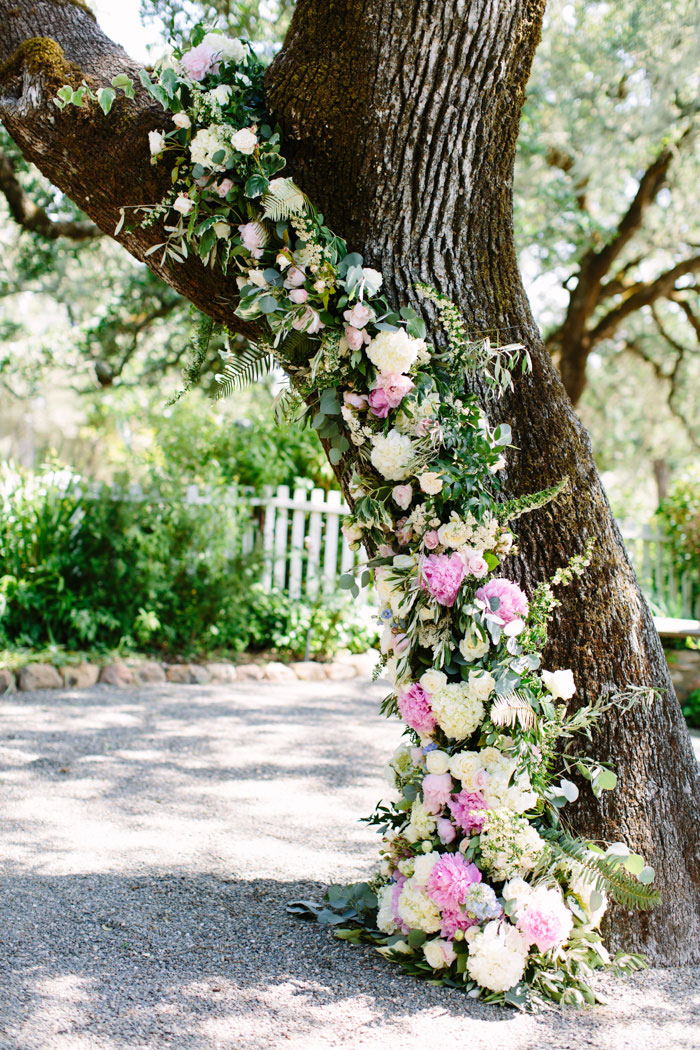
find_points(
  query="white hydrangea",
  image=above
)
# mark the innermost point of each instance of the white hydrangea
(394, 352)
(422, 823)
(458, 709)
(509, 845)
(385, 914)
(497, 955)
(206, 144)
(417, 910)
(392, 456)
(228, 48)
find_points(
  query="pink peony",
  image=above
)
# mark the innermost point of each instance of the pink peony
(379, 403)
(468, 809)
(437, 788)
(199, 61)
(446, 831)
(442, 576)
(403, 494)
(431, 539)
(354, 337)
(298, 295)
(545, 920)
(359, 316)
(454, 919)
(450, 879)
(395, 387)
(513, 603)
(415, 709)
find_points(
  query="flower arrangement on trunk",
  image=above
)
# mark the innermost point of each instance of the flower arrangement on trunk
(481, 886)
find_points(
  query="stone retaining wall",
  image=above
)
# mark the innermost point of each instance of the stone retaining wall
(684, 665)
(138, 672)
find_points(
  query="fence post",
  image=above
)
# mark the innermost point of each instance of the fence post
(281, 522)
(268, 535)
(314, 542)
(297, 552)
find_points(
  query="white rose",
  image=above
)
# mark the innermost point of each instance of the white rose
(437, 762)
(481, 684)
(228, 48)
(156, 143)
(430, 482)
(219, 95)
(181, 120)
(433, 680)
(373, 280)
(183, 204)
(437, 954)
(392, 456)
(244, 141)
(473, 649)
(454, 533)
(352, 532)
(560, 684)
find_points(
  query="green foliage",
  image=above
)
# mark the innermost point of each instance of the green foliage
(679, 514)
(691, 709)
(618, 873)
(245, 366)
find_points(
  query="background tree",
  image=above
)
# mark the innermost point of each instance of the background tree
(401, 122)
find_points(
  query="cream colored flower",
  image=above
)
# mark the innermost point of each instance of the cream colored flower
(430, 482)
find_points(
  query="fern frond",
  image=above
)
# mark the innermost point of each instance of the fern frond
(605, 870)
(514, 508)
(284, 200)
(511, 709)
(244, 367)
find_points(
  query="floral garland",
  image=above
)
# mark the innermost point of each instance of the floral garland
(481, 887)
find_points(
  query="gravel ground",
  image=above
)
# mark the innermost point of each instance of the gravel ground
(151, 841)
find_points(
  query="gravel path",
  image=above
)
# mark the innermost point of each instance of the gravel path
(151, 839)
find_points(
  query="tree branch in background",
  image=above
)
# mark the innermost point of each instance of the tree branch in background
(644, 293)
(31, 217)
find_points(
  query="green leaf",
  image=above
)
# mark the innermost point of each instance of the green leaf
(255, 186)
(634, 864)
(268, 304)
(416, 938)
(646, 875)
(125, 83)
(335, 456)
(569, 790)
(607, 780)
(346, 582)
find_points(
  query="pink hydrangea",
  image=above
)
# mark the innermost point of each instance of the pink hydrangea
(415, 709)
(469, 810)
(442, 576)
(514, 604)
(437, 788)
(398, 886)
(545, 920)
(450, 879)
(199, 61)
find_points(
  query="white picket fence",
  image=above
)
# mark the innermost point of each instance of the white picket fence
(304, 551)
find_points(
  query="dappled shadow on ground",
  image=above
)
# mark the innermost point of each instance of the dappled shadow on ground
(151, 841)
(123, 963)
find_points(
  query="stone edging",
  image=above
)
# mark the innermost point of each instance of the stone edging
(128, 673)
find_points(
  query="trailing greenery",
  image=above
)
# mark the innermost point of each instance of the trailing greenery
(612, 870)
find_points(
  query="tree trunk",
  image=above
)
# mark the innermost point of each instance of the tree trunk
(400, 122)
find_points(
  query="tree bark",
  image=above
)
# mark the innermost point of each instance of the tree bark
(400, 121)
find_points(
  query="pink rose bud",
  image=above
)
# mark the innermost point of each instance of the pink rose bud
(224, 186)
(359, 316)
(402, 494)
(385, 550)
(431, 539)
(353, 336)
(395, 387)
(295, 277)
(378, 403)
(353, 400)
(298, 295)
(446, 831)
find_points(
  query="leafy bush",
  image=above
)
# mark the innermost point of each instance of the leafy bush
(691, 709)
(101, 571)
(680, 516)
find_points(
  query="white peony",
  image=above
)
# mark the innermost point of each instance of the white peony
(392, 456)
(228, 48)
(181, 120)
(458, 710)
(423, 867)
(497, 955)
(437, 762)
(394, 353)
(244, 141)
(417, 909)
(430, 482)
(560, 684)
(206, 144)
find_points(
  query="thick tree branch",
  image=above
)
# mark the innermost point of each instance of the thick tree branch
(101, 162)
(643, 294)
(636, 347)
(31, 217)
